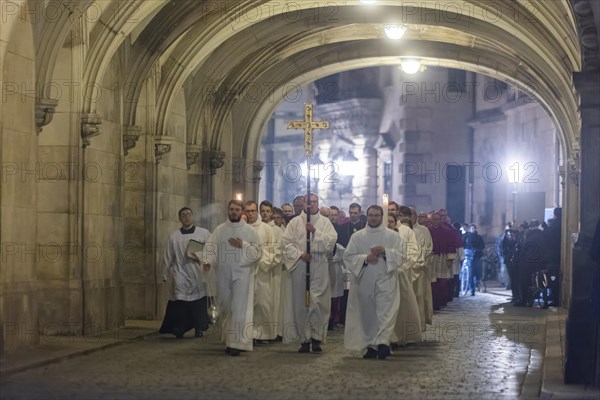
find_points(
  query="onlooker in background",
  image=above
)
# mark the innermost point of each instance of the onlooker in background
(531, 257)
(509, 253)
(458, 261)
(552, 238)
(474, 246)
(502, 273)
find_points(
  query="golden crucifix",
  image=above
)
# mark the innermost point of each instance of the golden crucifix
(308, 125)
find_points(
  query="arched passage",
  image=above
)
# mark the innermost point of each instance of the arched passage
(166, 47)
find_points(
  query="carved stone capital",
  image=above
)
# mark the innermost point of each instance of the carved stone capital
(574, 168)
(90, 127)
(212, 160)
(192, 152)
(257, 167)
(130, 137)
(162, 145)
(44, 111)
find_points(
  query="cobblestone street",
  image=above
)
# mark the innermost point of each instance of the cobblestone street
(478, 348)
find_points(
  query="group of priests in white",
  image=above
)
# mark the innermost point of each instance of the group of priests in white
(257, 273)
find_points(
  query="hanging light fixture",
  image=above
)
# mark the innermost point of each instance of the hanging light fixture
(394, 32)
(410, 66)
(368, 1)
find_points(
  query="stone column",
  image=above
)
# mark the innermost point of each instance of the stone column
(211, 161)
(365, 185)
(582, 323)
(254, 181)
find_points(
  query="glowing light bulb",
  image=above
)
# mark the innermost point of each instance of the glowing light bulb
(410, 66)
(394, 32)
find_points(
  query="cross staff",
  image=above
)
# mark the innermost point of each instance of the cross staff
(308, 125)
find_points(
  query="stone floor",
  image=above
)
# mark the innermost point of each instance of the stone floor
(478, 348)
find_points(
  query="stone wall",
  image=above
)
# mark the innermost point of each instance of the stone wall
(102, 210)
(18, 189)
(433, 133)
(515, 149)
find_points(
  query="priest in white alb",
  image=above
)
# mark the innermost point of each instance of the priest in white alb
(264, 318)
(233, 250)
(408, 322)
(422, 285)
(307, 325)
(268, 215)
(373, 256)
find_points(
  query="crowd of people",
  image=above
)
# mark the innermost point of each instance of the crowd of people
(378, 280)
(530, 247)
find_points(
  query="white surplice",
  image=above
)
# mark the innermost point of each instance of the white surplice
(277, 273)
(302, 324)
(264, 319)
(408, 322)
(234, 270)
(336, 272)
(374, 298)
(186, 283)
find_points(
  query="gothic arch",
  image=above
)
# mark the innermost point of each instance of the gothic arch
(54, 30)
(347, 33)
(107, 37)
(193, 47)
(254, 119)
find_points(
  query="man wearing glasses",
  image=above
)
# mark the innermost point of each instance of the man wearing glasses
(186, 308)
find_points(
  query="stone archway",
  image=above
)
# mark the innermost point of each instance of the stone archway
(167, 50)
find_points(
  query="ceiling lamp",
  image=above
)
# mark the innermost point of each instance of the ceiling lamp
(394, 32)
(368, 1)
(410, 66)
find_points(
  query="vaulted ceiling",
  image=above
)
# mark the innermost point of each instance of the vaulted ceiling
(227, 52)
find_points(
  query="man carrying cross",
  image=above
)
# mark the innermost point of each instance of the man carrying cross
(301, 323)
(308, 323)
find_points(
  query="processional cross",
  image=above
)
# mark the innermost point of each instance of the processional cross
(308, 125)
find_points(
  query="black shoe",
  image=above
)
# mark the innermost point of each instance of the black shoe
(227, 350)
(383, 351)
(198, 334)
(178, 333)
(234, 352)
(278, 339)
(371, 353)
(472, 293)
(316, 346)
(304, 348)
